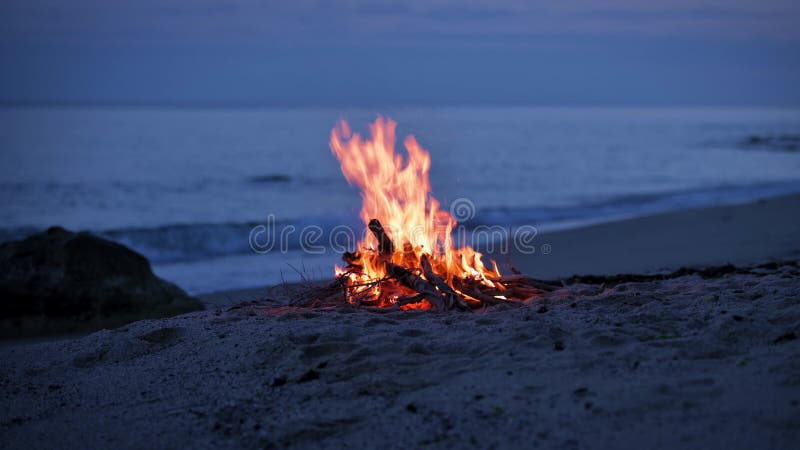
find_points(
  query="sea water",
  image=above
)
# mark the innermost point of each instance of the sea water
(187, 187)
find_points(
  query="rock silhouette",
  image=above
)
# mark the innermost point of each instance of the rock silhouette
(58, 281)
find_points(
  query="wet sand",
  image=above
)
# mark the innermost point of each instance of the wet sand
(751, 233)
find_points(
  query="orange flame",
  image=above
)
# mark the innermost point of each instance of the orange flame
(396, 191)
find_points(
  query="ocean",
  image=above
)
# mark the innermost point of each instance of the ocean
(186, 187)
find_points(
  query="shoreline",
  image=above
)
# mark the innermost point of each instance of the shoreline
(670, 202)
(760, 231)
(662, 242)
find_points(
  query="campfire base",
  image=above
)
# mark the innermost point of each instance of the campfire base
(414, 284)
(517, 289)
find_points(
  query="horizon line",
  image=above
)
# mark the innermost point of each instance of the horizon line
(388, 104)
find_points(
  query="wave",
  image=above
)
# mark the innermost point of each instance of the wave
(176, 186)
(632, 205)
(270, 178)
(182, 242)
(190, 242)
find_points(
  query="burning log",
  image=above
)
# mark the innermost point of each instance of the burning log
(409, 279)
(385, 244)
(417, 283)
(471, 291)
(452, 299)
(409, 300)
(352, 258)
(465, 293)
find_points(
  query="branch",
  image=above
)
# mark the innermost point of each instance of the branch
(417, 283)
(452, 299)
(385, 244)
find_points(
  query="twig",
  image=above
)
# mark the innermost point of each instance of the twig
(302, 275)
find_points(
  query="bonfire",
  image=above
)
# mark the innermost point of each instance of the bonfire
(408, 259)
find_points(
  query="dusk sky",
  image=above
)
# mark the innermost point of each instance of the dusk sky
(433, 52)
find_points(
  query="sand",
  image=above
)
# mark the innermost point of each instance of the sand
(751, 233)
(738, 234)
(688, 362)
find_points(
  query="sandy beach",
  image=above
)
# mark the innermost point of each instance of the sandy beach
(703, 360)
(399, 225)
(735, 234)
(742, 234)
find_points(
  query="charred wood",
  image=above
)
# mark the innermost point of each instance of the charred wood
(451, 297)
(416, 283)
(385, 244)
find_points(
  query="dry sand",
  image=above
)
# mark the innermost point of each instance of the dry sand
(688, 362)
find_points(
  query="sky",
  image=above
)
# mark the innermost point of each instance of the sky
(382, 52)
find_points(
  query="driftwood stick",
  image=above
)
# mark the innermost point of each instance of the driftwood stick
(541, 285)
(476, 294)
(452, 299)
(487, 299)
(385, 244)
(417, 283)
(408, 300)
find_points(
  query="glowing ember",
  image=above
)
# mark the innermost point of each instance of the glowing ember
(409, 230)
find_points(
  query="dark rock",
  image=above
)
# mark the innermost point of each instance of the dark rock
(59, 281)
